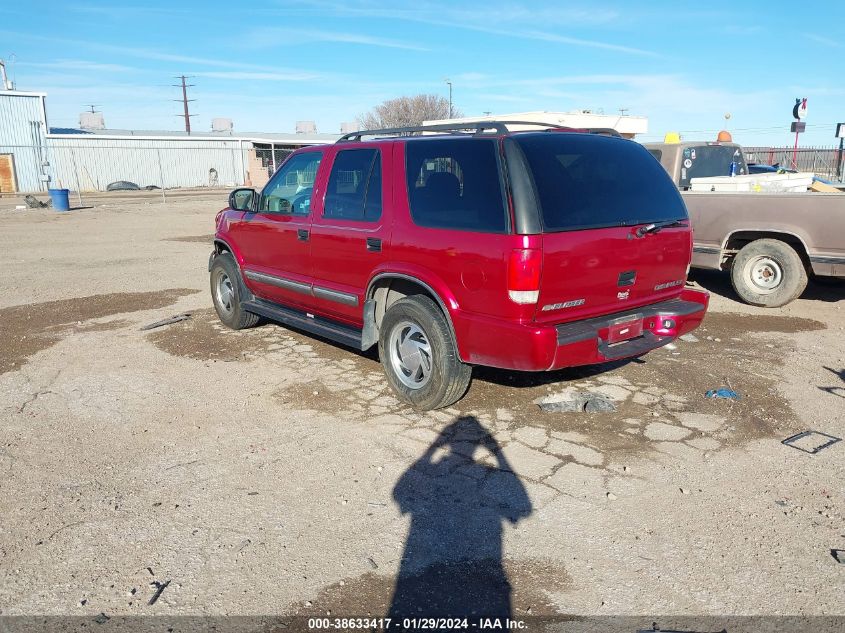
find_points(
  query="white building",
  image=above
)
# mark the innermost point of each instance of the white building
(90, 160)
(34, 157)
(627, 126)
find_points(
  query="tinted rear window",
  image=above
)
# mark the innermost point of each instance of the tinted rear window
(354, 189)
(588, 181)
(455, 184)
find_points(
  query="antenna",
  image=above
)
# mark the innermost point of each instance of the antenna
(92, 106)
(622, 111)
(185, 101)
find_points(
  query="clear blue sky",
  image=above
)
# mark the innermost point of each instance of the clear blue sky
(684, 65)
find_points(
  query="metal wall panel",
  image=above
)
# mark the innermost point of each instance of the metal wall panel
(22, 134)
(90, 163)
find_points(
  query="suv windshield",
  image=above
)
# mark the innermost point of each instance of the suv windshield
(588, 181)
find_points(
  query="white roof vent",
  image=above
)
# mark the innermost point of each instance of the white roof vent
(220, 124)
(306, 127)
(92, 121)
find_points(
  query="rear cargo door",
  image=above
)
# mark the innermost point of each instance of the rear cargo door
(615, 230)
(587, 273)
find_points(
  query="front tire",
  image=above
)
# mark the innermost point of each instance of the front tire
(419, 357)
(227, 292)
(768, 273)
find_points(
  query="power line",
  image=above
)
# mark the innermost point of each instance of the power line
(756, 129)
(187, 115)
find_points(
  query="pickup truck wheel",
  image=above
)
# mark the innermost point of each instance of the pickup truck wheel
(227, 291)
(768, 273)
(418, 355)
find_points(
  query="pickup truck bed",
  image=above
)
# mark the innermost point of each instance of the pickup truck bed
(724, 222)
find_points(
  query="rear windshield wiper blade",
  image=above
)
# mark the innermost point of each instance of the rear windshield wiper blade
(654, 227)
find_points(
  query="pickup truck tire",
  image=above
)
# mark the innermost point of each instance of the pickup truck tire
(227, 292)
(419, 358)
(768, 273)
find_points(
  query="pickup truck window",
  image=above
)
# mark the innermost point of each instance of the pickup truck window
(706, 161)
(455, 184)
(588, 181)
(354, 190)
(289, 190)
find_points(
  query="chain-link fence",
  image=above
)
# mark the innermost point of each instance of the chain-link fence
(822, 161)
(271, 157)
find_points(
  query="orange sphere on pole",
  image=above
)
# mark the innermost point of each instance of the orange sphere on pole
(724, 137)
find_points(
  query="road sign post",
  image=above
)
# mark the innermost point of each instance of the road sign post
(840, 134)
(799, 113)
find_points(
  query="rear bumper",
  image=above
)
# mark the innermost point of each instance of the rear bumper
(541, 348)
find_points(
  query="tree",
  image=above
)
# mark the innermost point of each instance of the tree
(407, 112)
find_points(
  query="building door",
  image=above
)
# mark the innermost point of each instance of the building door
(7, 174)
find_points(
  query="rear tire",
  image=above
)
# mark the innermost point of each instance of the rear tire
(227, 292)
(768, 273)
(419, 358)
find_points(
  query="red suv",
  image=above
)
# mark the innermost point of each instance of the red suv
(458, 246)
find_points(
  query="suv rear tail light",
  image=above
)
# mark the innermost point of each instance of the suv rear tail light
(524, 275)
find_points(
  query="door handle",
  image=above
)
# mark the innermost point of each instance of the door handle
(373, 244)
(302, 235)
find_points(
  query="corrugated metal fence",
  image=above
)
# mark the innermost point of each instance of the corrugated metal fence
(822, 161)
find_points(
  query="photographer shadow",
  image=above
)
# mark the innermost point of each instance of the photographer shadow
(452, 565)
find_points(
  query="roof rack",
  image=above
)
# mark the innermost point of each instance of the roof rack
(476, 127)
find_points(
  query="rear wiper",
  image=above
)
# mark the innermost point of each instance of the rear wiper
(654, 227)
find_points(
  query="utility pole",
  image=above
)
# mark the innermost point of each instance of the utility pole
(185, 101)
(450, 97)
(92, 106)
(622, 111)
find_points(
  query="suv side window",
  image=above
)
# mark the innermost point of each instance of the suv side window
(289, 190)
(456, 184)
(354, 190)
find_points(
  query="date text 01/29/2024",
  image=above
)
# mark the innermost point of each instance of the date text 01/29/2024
(415, 624)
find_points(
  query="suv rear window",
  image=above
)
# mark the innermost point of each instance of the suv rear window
(354, 189)
(455, 184)
(586, 181)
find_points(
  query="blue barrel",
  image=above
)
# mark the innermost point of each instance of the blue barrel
(60, 199)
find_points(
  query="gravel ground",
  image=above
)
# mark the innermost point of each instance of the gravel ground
(268, 472)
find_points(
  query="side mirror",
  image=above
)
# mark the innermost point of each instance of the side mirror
(243, 199)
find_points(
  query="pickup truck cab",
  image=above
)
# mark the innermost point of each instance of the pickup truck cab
(450, 247)
(770, 242)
